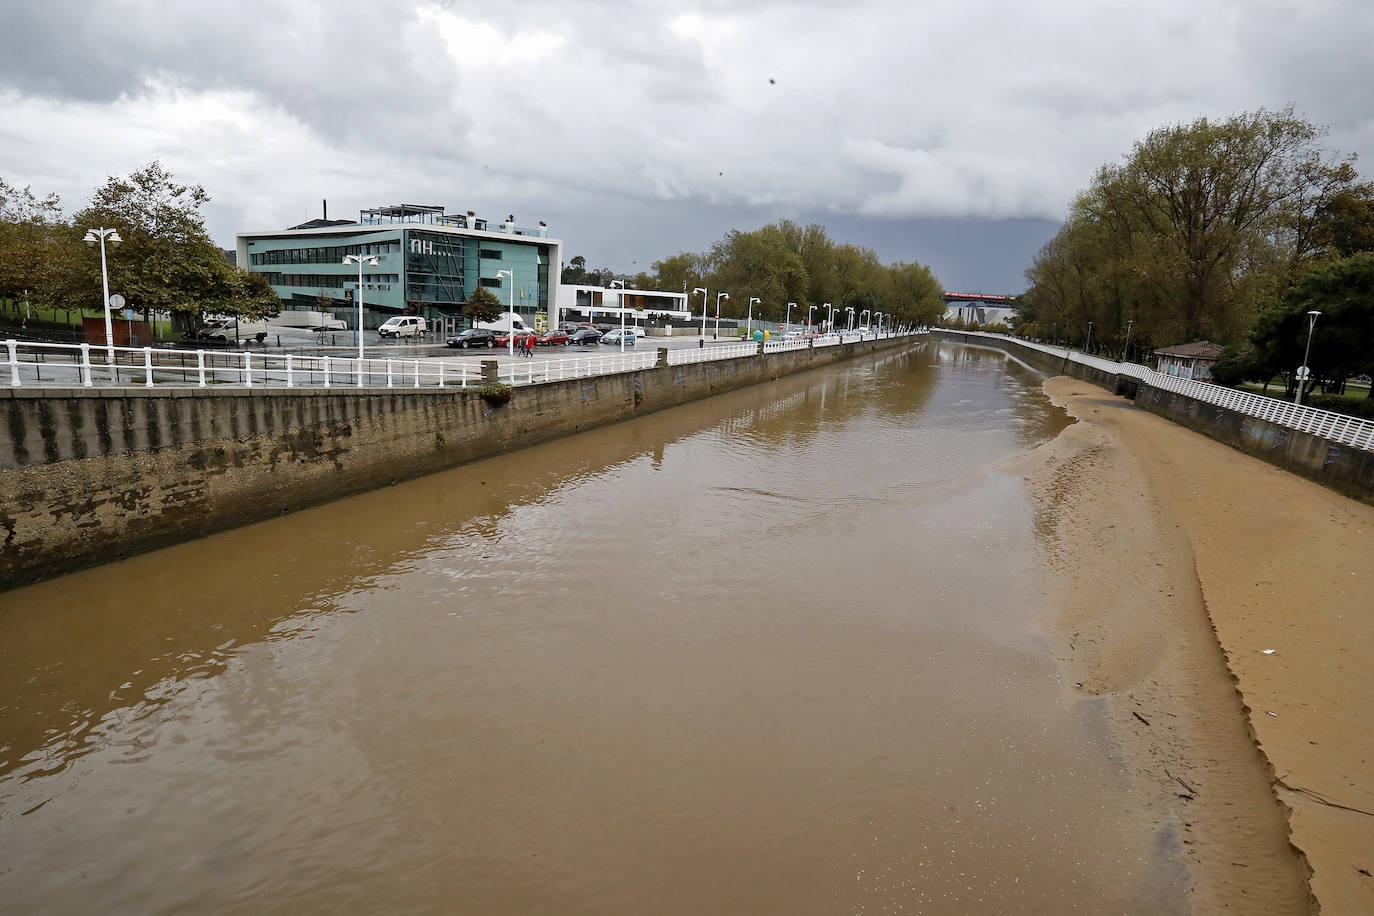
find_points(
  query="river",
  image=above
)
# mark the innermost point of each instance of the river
(777, 651)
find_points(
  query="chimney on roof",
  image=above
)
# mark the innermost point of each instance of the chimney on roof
(472, 213)
(511, 218)
(326, 208)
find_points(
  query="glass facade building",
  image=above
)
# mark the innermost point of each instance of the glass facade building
(428, 263)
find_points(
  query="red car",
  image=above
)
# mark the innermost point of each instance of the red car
(553, 338)
(503, 339)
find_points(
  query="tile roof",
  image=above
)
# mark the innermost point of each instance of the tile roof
(1202, 349)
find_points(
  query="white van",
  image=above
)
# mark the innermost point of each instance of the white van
(506, 322)
(232, 331)
(402, 326)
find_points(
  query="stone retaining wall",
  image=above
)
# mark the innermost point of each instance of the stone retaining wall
(90, 475)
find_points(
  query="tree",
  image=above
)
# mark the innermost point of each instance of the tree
(575, 272)
(29, 227)
(1343, 291)
(167, 260)
(1201, 227)
(482, 306)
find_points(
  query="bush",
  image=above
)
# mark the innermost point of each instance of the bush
(496, 394)
(1355, 407)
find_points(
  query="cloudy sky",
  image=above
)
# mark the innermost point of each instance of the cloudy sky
(950, 133)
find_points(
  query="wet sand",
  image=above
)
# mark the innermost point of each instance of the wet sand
(1175, 565)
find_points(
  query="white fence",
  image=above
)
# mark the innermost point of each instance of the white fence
(86, 366)
(1337, 427)
(50, 365)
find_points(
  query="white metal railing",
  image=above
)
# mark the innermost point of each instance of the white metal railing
(87, 366)
(711, 353)
(51, 365)
(532, 371)
(1326, 424)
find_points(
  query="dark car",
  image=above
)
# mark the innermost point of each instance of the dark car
(553, 338)
(568, 326)
(584, 336)
(472, 337)
(604, 326)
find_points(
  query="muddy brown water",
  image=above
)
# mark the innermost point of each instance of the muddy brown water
(773, 652)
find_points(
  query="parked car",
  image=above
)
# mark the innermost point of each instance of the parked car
(604, 326)
(584, 336)
(503, 338)
(402, 326)
(555, 337)
(619, 334)
(568, 326)
(472, 337)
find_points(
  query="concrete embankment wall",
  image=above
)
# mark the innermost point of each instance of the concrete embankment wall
(1343, 468)
(90, 475)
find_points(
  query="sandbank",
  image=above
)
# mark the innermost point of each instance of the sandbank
(1223, 610)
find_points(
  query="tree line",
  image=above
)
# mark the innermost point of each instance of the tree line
(165, 261)
(1228, 231)
(785, 262)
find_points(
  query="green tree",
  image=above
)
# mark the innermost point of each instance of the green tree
(1201, 227)
(482, 306)
(1343, 292)
(575, 272)
(167, 260)
(30, 228)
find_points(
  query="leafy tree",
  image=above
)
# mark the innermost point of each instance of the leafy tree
(1343, 291)
(167, 260)
(482, 306)
(1200, 228)
(29, 226)
(575, 272)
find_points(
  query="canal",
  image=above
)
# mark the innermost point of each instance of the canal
(778, 651)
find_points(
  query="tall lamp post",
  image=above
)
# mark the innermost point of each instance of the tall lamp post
(102, 236)
(849, 324)
(861, 317)
(360, 260)
(809, 310)
(622, 310)
(1304, 372)
(1126, 350)
(787, 322)
(750, 320)
(704, 296)
(830, 317)
(510, 333)
(719, 296)
(878, 320)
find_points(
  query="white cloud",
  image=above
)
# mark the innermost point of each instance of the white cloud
(877, 108)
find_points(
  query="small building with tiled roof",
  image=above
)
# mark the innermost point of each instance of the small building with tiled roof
(1192, 360)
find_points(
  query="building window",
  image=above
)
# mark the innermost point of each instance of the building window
(491, 281)
(490, 254)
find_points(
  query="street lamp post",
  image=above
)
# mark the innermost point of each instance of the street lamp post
(749, 322)
(809, 310)
(1126, 350)
(1088, 343)
(861, 317)
(1304, 372)
(510, 332)
(849, 323)
(787, 322)
(622, 311)
(112, 236)
(360, 260)
(704, 296)
(719, 296)
(878, 320)
(830, 317)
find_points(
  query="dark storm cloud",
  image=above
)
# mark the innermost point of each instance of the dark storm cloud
(640, 129)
